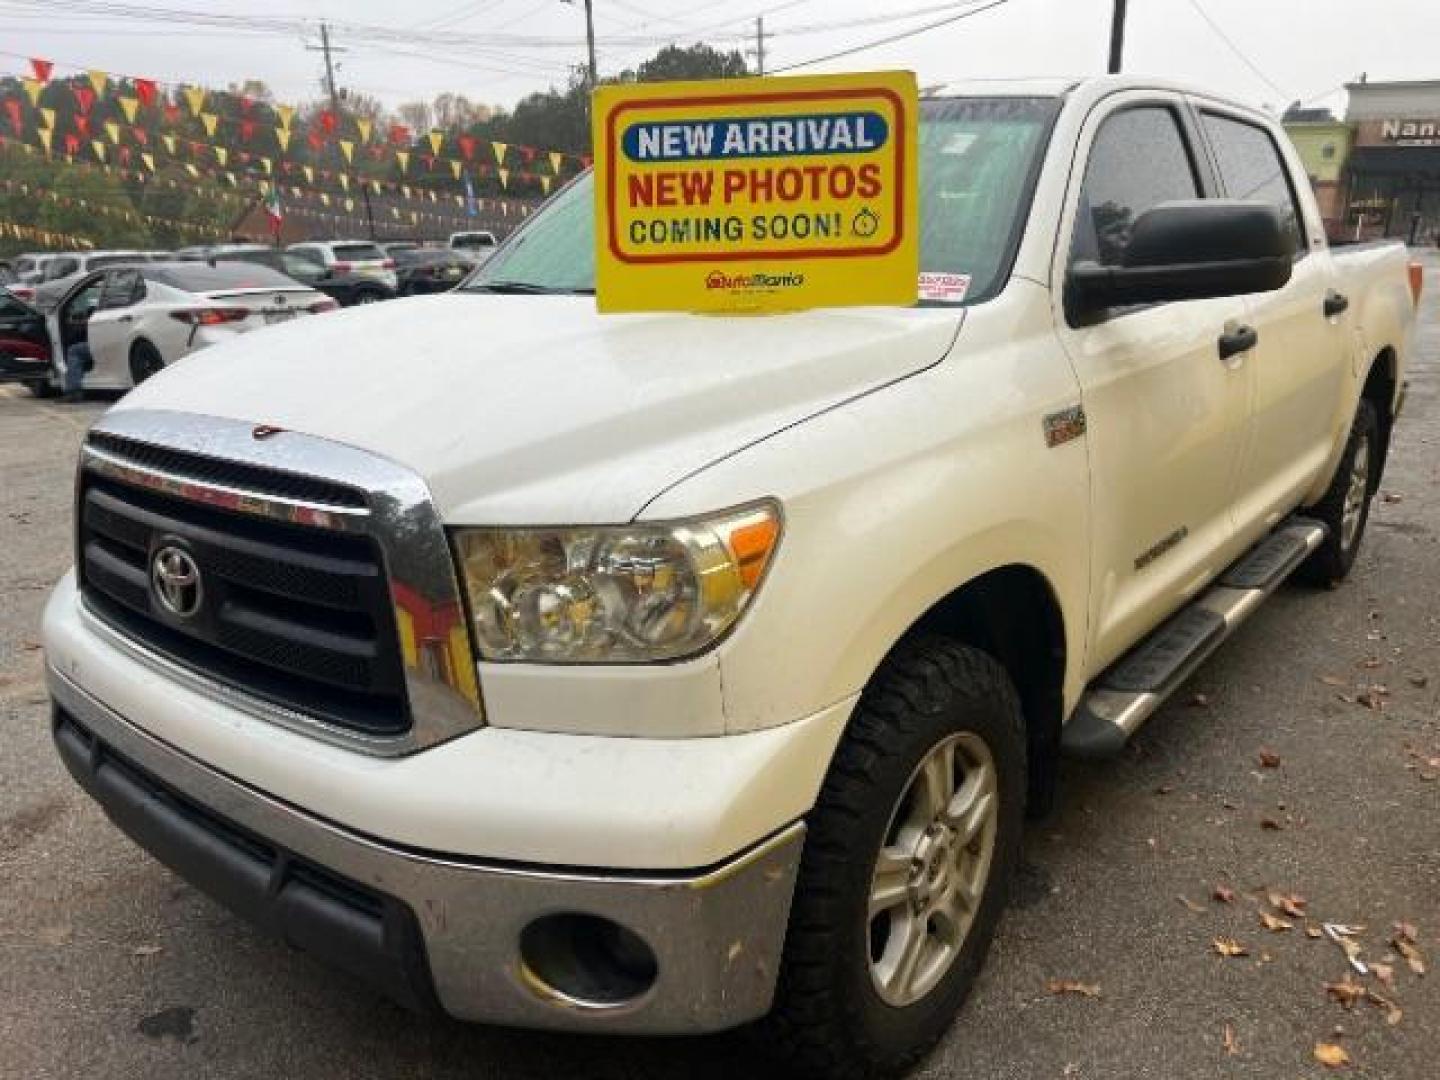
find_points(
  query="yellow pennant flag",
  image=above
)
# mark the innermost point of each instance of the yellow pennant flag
(48, 115)
(455, 168)
(231, 177)
(46, 134)
(349, 205)
(129, 105)
(403, 157)
(309, 171)
(395, 212)
(325, 198)
(285, 113)
(545, 184)
(345, 181)
(210, 120)
(556, 159)
(195, 97)
(222, 155)
(149, 160)
(405, 190)
(459, 200)
(499, 148)
(113, 130)
(436, 139)
(32, 89)
(264, 187)
(363, 126)
(192, 170)
(99, 148)
(282, 136)
(504, 178)
(348, 149)
(169, 144)
(267, 165)
(375, 186)
(98, 79)
(414, 217)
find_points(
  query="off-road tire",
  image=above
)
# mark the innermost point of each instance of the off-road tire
(828, 1019)
(1329, 564)
(145, 361)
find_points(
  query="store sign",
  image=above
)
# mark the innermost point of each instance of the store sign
(755, 195)
(1410, 132)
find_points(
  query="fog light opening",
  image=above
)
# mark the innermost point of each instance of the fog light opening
(587, 961)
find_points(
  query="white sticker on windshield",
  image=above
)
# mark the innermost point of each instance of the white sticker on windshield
(944, 288)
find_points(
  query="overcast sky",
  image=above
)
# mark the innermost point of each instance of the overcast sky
(1303, 49)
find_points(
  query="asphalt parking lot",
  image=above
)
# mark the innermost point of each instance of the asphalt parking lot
(1303, 761)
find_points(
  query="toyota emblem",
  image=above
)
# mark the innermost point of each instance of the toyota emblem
(175, 581)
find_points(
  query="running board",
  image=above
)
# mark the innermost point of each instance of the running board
(1126, 694)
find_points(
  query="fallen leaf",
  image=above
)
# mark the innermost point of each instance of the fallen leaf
(1072, 986)
(1269, 759)
(146, 950)
(1227, 946)
(1393, 1012)
(1191, 905)
(1269, 824)
(1292, 904)
(1312, 931)
(1274, 922)
(1404, 942)
(1391, 497)
(1384, 972)
(1347, 991)
(1334, 680)
(1420, 682)
(1331, 1055)
(1223, 894)
(1232, 1044)
(1370, 663)
(1373, 697)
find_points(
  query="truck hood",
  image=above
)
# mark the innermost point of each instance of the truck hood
(537, 409)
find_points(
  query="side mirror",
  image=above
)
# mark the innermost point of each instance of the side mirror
(1191, 250)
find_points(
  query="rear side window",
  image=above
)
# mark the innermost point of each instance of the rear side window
(58, 268)
(201, 277)
(1251, 168)
(357, 252)
(1138, 160)
(121, 288)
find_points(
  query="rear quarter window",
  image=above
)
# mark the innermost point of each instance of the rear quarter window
(1251, 168)
(357, 252)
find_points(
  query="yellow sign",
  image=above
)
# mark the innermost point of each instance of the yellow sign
(753, 195)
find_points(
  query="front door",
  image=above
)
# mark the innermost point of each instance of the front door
(1166, 416)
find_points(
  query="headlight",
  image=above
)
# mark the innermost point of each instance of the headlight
(613, 594)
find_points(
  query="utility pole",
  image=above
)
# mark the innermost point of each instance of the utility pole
(327, 49)
(1117, 37)
(590, 72)
(760, 44)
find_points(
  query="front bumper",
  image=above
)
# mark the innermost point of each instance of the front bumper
(434, 930)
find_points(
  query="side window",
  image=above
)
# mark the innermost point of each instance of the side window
(1251, 168)
(1138, 160)
(121, 289)
(59, 268)
(12, 311)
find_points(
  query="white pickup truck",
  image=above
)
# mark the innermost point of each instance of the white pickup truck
(660, 673)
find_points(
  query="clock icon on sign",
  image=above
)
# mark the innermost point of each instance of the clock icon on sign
(866, 223)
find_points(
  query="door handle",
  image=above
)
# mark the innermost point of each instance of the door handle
(1335, 303)
(1239, 340)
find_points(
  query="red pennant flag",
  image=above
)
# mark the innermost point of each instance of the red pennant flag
(528, 153)
(328, 121)
(124, 155)
(141, 135)
(172, 112)
(246, 104)
(399, 134)
(315, 140)
(247, 129)
(12, 109)
(42, 68)
(145, 91)
(244, 157)
(84, 98)
(429, 160)
(82, 125)
(376, 152)
(72, 143)
(467, 146)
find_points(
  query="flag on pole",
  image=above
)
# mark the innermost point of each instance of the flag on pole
(274, 211)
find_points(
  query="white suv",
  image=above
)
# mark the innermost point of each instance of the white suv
(363, 257)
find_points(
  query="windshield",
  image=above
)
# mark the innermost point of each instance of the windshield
(976, 160)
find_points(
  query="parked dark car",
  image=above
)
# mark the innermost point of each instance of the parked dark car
(430, 270)
(346, 289)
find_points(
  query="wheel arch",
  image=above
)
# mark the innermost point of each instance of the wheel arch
(1380, 389)
(1013, 614)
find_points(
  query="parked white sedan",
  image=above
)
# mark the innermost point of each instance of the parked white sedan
(139, 319)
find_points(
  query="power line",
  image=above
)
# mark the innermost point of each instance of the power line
(890, 40)
(1255, 68)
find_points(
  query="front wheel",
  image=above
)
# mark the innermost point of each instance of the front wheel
(910, 849)
(1345, 508)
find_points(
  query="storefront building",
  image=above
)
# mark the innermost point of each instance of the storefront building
(1324, 147)
(1393, 172)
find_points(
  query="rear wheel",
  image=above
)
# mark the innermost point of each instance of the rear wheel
(1345, 508)
(41, 388)
(906, 865)
(145, 360)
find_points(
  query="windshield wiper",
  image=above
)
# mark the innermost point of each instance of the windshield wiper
(523, 288)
